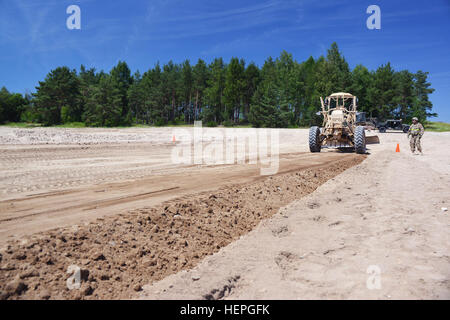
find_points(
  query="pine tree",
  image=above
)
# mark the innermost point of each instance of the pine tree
(382, 92)
(187, 89)
(154, 101)
(214, 92)
(11, 106)
(269, 108)
(252, 80)
(271, 105)
(88, 79)
(338, 70)
(308, 93)
(234, 88)
(121, 79)
(61, 88)
(263, 110)
(104, 106)
(422, 105)
(288, 84)
(170, 87)
(404, 95)
(201, 75)
(136, 98)
(361, 83)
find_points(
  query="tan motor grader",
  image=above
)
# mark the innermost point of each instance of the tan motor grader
(340, 128)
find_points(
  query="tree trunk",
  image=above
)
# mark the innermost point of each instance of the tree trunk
(196, 107)
(173, 105)
(190, 106)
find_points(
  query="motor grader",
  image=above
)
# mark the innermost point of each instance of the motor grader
(340, 128)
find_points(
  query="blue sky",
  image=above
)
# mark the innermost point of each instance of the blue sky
(34, 38)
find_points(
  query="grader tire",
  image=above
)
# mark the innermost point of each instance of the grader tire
(314, 139)
(360, 140)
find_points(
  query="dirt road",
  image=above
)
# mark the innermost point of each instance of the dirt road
(377, 231)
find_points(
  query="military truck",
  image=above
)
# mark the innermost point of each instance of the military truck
(392, 124)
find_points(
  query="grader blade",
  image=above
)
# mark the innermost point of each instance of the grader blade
(372, 139)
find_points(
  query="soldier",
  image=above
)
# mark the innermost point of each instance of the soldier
(415, 133)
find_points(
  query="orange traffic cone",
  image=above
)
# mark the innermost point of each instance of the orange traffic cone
(173, 139)
(398, 148)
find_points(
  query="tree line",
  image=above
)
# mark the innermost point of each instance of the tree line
(282, 93)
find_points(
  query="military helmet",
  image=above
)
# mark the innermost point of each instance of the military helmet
(415, 118)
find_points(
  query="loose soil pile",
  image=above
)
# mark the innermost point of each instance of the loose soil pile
(119, 254)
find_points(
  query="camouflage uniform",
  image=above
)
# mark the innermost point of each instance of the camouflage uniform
(415, 133)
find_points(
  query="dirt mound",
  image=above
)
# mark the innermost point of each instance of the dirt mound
(119, 254)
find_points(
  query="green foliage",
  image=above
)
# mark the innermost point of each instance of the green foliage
(28, 116)
(160, 122)
(65, 116)
(282, 93)
(362, 82)
(404, 95)
(177, 121)
(211, 124)
(21, 124)
(228, 123)
(437, 126)
(136, 97)
(104, 104)
(200, 83)
(72, 125)
(214, 92)
(422, 106)
(276, 99)
(234, 88)
(208, 115)
(11, 105)
(270, 108)
(382, 92)
(60, 88)
(338, 71)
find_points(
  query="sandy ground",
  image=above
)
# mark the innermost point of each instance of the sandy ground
(376, 231)
(83, 174)
(125, 213)
(112, 202)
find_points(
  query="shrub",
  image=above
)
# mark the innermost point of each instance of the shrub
(228, 123)
(211, 124)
